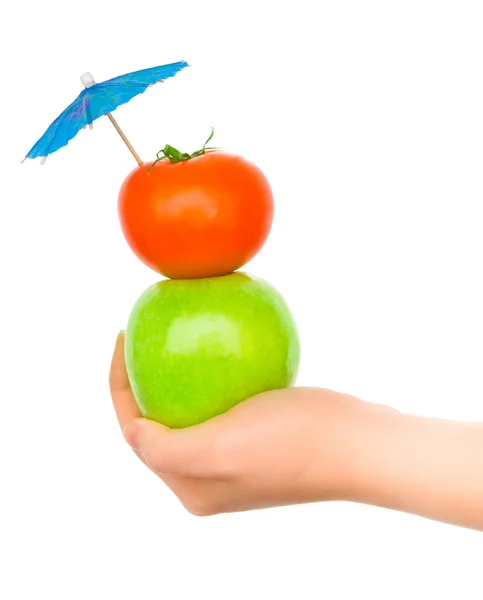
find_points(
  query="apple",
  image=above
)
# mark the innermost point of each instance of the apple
(195, 348)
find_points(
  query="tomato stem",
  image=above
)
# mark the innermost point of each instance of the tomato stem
(175, 156)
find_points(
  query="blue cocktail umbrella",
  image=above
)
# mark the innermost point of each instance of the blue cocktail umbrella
(97, 100)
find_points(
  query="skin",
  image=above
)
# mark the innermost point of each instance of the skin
(303, 445)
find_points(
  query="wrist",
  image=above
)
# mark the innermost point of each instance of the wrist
(371, 431)
(380, 460)
(344, 439)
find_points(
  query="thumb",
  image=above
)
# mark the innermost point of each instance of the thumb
(188, 452)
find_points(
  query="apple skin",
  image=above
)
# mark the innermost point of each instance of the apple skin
(196, 348)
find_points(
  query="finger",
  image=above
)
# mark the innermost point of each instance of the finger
(189, 452)
(121, 393)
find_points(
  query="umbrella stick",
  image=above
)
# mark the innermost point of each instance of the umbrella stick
(124, 138)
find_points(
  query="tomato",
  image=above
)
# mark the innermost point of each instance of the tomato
(202, 217)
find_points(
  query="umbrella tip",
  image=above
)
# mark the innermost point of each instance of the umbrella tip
(87, 80)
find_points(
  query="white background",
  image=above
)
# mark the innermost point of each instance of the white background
(367, 117)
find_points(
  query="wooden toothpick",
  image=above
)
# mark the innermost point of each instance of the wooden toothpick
(124, 138)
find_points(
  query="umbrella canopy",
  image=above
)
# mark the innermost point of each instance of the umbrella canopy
(97, 100)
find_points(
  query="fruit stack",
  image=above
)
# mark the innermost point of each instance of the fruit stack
(206, 337)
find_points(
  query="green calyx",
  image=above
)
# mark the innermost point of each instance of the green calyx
(175, 156)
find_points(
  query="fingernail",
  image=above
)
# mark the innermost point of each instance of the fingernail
(119, 336)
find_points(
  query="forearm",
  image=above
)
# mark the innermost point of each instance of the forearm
(428, 467)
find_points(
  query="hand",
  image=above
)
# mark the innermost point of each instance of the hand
(282, 447)
(306, 445)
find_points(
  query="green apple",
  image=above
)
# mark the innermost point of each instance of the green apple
(196, 348)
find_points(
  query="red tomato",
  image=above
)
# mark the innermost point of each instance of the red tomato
(202, 217)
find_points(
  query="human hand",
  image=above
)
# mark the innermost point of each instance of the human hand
(288, 446)
(300, 445)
